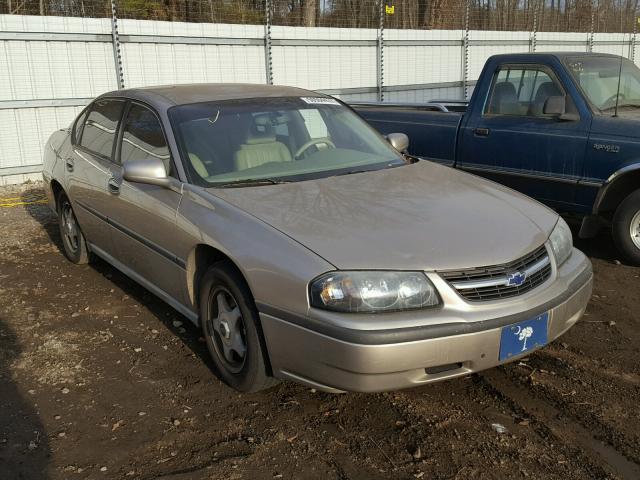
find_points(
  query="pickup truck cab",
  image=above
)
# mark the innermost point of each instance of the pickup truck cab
(562, 128)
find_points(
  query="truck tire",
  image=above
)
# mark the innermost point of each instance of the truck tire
(626, 228)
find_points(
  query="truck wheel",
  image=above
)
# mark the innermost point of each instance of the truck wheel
(75, 246)
(231, 328)
(626, 228)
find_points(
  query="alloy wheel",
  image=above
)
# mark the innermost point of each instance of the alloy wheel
(70, 227)
(226, 329)
(634, 229)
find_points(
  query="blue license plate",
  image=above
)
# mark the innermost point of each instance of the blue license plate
(523, 337)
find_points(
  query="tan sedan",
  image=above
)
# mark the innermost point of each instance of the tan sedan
(304, 244)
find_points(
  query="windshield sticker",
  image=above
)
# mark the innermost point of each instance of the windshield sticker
(319, 101)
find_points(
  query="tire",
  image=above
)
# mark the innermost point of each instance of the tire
(231, 328)
(626, 228)
(73, 241)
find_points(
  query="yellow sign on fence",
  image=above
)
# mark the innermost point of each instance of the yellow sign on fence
(390, 9)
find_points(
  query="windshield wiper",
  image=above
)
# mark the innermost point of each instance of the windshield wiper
(351, 172)
(626, 105)
(361, 170)
(247, 182)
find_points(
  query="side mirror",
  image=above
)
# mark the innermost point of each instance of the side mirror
(149, 170)
(557, 106)
(399, 141)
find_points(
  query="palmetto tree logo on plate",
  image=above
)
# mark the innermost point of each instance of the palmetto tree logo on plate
(523, 335)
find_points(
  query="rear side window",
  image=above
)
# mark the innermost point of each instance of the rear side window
(142, 137)
(99, 130)
(521, 91)
(77, 126)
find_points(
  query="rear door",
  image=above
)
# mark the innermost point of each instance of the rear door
(89, 167)
(511, 140)
(143, 217)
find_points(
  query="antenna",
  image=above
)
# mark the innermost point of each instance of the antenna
(615, 114)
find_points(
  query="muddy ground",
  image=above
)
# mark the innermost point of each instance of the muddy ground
(100, 379)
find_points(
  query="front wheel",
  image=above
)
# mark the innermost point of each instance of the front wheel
(626, 228)
(73, 241)
(231, 328)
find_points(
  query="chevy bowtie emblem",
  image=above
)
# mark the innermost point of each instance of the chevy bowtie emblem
(516, 279)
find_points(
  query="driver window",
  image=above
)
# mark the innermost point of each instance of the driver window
(142, 137)
(521, 91)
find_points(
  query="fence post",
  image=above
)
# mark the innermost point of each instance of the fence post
(115, 40)
(268, 61)
(592, 33)
(380, 51)
(632, 46)
(534, 34)
(465, 52)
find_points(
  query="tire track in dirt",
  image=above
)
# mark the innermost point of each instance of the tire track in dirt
(592, 394)
(564, 428)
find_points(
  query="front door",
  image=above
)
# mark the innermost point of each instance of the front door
(513, 142)
(143, 217)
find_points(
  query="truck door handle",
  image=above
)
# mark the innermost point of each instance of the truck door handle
(113, 186)
(481, 132)
(68, 163)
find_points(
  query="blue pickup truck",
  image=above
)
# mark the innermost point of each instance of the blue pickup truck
(563, 128)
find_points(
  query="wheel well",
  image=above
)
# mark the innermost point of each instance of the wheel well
(199, 261)
(56, 188)
(615, 193)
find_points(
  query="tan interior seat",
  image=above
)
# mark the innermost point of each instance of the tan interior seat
(261, 146)
(198, 165)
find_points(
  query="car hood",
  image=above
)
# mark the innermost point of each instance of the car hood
(415, 217)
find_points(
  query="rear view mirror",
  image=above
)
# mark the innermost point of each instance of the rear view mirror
(399, 141)
(557, 106)
(149, 170)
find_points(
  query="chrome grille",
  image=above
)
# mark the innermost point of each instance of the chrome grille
(493, 283)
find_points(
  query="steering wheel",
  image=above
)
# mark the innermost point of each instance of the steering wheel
(312, 142)
(611, 101)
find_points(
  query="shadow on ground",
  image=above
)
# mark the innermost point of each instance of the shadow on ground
(24, 447)
(161, 310)
(601, 246)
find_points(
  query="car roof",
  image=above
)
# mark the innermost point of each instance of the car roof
(166, 96)
(559, 55)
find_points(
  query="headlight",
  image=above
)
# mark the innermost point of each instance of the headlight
(373, 291)
(561, 241)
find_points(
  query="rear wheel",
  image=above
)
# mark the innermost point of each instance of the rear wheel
(73, 241)
(626, 228)
(231, 328)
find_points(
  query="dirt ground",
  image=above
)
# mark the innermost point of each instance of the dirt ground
(100, 379)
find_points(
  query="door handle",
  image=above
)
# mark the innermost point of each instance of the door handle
(68, 163)
(113, 186)
(481, 132)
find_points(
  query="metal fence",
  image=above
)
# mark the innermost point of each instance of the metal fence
(58, 54)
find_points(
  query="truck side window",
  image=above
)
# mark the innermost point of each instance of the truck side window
(521, 91)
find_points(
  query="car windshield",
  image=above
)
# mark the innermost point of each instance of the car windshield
(598, 78)
(273, 140)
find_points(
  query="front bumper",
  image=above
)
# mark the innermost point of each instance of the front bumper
(338, 359)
